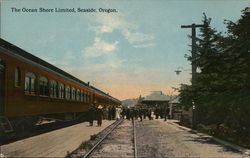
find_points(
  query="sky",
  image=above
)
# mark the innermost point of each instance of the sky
(126, 53)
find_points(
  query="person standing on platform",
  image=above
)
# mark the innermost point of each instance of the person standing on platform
(128, 113)
(110, 113)
(149, 114)
(165, 112)
(117, 114)
(156, 112)
(140, 113)
(123, 112)
(113, 111)
(91, 115)
(99, 115)
(131, 113)
(144, 113)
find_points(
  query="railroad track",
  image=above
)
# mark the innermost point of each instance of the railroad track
(135, 142)
(98, 144)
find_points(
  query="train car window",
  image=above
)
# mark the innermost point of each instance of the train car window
(92, 98)
(53, 88)
(84, 100)
(73, 93)
(43, 86)
(29, 85)
(67, 92)
(89, 97)
(78, 95)
(17, 77)
(85, 97)
(61, 90)
(81, 96)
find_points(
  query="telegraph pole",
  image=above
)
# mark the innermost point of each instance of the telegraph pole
(194, 67)
(193, 51)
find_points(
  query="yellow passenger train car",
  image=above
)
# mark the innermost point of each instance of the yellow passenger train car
(31, 88)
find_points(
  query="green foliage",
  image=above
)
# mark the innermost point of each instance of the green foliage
(221, 89)
(186, 96)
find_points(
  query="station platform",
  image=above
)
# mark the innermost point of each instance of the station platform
(56, 143)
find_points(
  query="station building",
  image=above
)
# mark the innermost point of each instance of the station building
(156, 99)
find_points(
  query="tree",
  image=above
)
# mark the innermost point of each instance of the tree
(222, 86)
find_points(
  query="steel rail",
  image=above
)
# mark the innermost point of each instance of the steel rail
(134, 135)
(100, 141)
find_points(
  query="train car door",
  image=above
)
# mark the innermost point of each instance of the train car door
(2, 87)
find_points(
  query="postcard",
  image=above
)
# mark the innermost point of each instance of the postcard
(170, 77)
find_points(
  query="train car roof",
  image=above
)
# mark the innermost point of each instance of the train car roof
(38, 60)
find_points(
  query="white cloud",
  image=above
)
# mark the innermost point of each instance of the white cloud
(134, 37)
(110, 64)
(144, 45)
(100, 48)
(101, 29)
(129, 30)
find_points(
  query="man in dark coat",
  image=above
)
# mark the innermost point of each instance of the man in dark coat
(99, 116)
(91, 115)
(140, 113)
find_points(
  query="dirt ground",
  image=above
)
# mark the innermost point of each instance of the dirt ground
(157, 138)
(118, 144)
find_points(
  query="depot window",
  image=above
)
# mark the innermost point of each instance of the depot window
(17, 77)
(29, 86)
(43, 86)
(67, 92)
(73, 93)
(53, 88)
(61, 90)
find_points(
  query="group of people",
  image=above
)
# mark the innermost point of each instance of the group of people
(144, 112)
(161, 112)
(99, 113)
(135, 113)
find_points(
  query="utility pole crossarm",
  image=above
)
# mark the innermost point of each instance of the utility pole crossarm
(193, 25)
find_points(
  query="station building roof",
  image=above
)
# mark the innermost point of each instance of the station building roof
(156, 96)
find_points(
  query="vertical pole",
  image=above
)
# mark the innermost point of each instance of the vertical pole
(193, 70)
(193, 53)
(194, 67)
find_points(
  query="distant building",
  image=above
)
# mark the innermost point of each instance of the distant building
(156, 98)
(175, 110)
